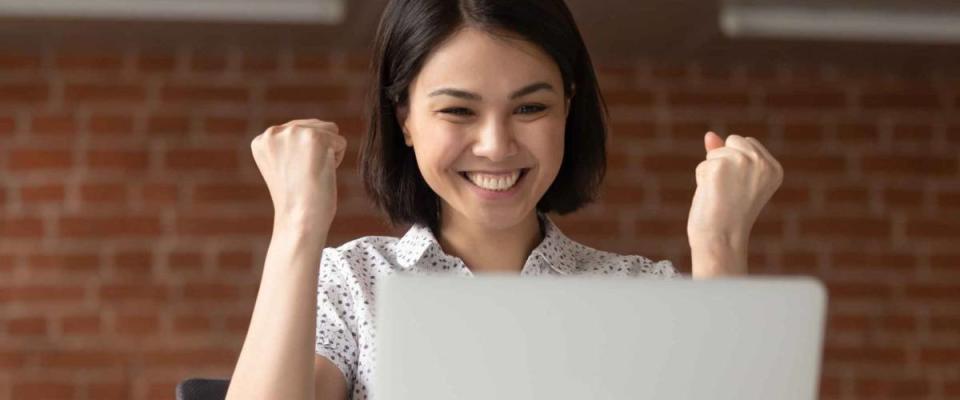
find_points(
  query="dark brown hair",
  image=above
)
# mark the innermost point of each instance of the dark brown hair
(409, 30)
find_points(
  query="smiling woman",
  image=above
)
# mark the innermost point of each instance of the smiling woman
(484, 117)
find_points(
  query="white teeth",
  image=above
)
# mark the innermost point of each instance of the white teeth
(498, 182)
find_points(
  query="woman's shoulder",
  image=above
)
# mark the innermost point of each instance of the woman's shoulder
(595, 261)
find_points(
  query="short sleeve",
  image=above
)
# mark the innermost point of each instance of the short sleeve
(336, 339)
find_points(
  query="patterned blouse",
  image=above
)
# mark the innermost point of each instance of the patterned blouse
(348, 274)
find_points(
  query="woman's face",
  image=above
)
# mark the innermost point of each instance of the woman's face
(486, 118)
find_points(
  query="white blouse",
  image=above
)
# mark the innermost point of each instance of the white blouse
(349, 273)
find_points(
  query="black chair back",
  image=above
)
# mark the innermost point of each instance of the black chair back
(203, 389)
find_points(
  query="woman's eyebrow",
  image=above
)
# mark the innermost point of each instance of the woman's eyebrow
(463, 94)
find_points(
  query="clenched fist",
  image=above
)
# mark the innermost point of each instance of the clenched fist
(298, 161)
(734, 182)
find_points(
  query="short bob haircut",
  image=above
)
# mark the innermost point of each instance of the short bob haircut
(409, 30)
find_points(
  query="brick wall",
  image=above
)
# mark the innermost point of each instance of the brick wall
(133, 221)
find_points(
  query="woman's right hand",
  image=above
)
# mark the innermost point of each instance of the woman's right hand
(298, 161)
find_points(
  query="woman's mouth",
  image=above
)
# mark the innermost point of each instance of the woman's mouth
(495, 181)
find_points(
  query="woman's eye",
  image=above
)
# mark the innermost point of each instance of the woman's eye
(531, 108)
(458, 111)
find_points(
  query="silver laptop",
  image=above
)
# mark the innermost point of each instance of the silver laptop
(506, 337)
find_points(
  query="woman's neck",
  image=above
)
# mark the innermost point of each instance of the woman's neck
(485, 249)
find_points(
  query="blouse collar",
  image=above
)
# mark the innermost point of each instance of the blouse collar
(555, 249)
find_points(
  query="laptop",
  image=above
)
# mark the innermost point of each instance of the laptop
(506, 337)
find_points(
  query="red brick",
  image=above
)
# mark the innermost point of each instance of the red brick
(623, 195)
(105, 124)
(799, 262)
(865, 354)
(24, 92)
(104, 92)
(910, 165)
(8, 126)
(80, 324)
(137, 325)
(204, 93)
(708, 98)
(305, 93)
(672, 163)
(807, 164)
(160, 193)
(940, 355)
(56, 124)
(156, 61)
(900, 98)
(21, 227)
(643, 130)
(193, 357)
(903, 197)
(168, 125)
(861, 291)
(185, 261)
(19, 61)
(314, 62)
(887, 260)
(81, 359)
(44, 390)
(948, 199)
(12, 359)
(912, 132)
(89, 61)
(124, 160)
(108, 390)
(26, 326)
(855, 196)
(848, 323)
(933, 229)
(220, 226)
(805, 98)
(134, 262)
(802, 133)
(191, 323)
(84, 263)
(104, 227)
(130, 292)
(53, 192)
(201, 159)
(857, 227)
(103, 193)
(208, 61)
(235, 261)
(689, 129)
(626, 97)
(41, 293)
(933, 291)
(758, 130)
(226, 126)
(896, 388)
(230, 193)
(258, 63)
(39, 159)
(210, 291)
(858, 132)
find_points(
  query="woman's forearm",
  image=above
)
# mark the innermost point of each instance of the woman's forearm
(714, 257)
(277, 358)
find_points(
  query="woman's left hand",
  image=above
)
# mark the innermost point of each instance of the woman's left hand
(734, 182)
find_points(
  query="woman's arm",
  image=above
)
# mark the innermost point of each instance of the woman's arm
(277, 358)
(298, 161)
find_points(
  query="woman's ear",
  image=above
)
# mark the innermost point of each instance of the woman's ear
(403, 111)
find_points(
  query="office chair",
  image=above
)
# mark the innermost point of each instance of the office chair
(202, 389)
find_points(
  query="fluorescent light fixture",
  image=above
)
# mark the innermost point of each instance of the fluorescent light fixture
(267, 11)
(840, 24)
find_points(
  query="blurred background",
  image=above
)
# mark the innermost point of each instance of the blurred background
(133, 221)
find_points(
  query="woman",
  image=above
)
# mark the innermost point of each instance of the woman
(485, 116)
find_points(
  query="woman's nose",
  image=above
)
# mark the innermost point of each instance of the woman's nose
(495, 141)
